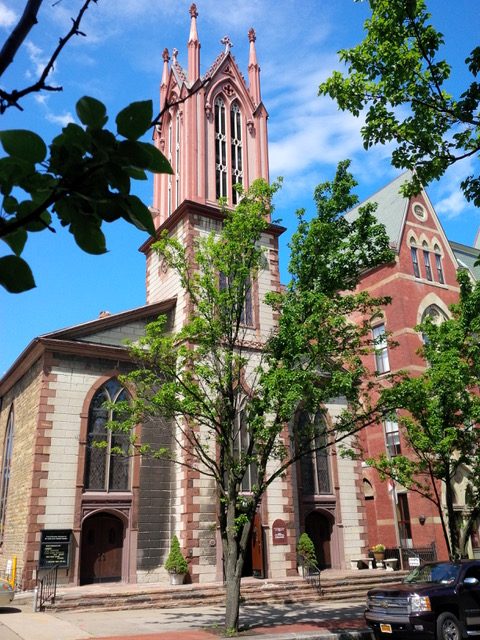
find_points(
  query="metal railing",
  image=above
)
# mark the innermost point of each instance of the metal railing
(402, 554)
(311, 574)
(47, 588)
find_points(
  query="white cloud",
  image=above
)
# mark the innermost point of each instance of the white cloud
(37, 58)
(8, 17)
(61, 119)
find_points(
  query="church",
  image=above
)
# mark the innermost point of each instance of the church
(104, 518)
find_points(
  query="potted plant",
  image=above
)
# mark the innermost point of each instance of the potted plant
(306, 551)
(378, 551)
(176, 564)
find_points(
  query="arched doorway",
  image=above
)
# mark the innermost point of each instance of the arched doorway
(319, 528)
(101, 549)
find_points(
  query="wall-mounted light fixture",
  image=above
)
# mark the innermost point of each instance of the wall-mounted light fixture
(422, 519)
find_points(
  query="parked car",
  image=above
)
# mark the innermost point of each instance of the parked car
(437, 600)
(7, 593)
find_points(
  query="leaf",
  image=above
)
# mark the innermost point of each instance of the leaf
(135, 120)
(139, 214)
(15, 274)
(24, 144)
(16, 240)
(89, 237)
(158, 162)
(91, 112)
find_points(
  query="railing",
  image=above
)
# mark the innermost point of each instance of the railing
(47, 588)
(402, 554)
(311, 574)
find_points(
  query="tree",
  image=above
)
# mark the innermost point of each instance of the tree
(240, 411)
(84, 177)
(398, 65)
(440, 418)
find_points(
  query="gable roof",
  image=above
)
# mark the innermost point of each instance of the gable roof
(391, 210)
(75, 340)
(466, 257)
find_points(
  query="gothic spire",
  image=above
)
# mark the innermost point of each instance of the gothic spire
(193, 47)
(253, 69)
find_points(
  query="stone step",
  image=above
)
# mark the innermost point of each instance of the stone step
(252, 592)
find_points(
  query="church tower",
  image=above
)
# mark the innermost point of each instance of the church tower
(213, 130)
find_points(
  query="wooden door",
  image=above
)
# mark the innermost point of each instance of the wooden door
(319, 528)
(101, 549)
(258, 569)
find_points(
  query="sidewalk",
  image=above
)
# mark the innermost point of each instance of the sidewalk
(322, 621)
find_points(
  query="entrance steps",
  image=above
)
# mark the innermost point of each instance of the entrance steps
(335, 585)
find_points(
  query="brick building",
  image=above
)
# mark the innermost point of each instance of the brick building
(421, 280)
(109, 518)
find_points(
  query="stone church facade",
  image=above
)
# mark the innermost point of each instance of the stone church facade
(107, 518)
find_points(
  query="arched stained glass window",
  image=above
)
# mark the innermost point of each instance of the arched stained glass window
(106, 467)
(5, 472)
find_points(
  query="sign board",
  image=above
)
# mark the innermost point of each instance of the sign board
(55, 548)
(279, 532)
(414, 562)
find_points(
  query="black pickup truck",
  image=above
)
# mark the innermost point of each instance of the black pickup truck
(438, 600)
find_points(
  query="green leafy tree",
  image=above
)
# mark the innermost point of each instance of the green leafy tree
(440, 418)
(83, 178)
(217, 389)
(176, 562)
(398, 77)
(306, 551)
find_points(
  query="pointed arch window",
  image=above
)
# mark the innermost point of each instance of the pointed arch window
(426, 260)
(236, 148)
(315, 465)
(107, 465)
(220, 149)
(414, 254)
(382, 362)
(170, 157)
(242, 445)
(5, 472)
(177, 159)
(438, 264)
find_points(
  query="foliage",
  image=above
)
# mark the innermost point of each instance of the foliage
(84, 176)
(378, 548)
(440, 418)
(230, 396)
(306, 550)
(397, 76)
(176, 562)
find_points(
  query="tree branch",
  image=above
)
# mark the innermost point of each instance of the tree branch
(18, 35)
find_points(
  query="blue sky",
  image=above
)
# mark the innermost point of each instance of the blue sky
(120, 61)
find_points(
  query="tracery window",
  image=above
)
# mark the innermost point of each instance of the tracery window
(315, 466)
(414, 254)
(426, 260)
(177, 159)
(236, 149)
(5, 472)
(170, 157)
(107, 465)
(220, 149)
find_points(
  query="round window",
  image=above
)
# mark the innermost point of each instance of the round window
(419, 211)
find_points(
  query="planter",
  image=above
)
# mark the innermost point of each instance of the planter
(379, 556)
(177, 578)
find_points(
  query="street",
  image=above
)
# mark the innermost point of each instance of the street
(274, 621)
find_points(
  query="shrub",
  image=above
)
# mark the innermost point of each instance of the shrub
(306, 550)
(175, 562)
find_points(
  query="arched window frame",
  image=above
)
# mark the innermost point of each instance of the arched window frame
(106, 471)
(414, 255)
(380, 346)
(242, 443)
(5, 472)
(438, 263)
(178, 126)
(221, 162)
(426, 261)
(236, 148)
(315, 465)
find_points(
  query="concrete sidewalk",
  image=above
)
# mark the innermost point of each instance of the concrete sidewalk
(322, 621)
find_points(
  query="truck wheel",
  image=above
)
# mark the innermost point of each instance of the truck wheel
(448, 627)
